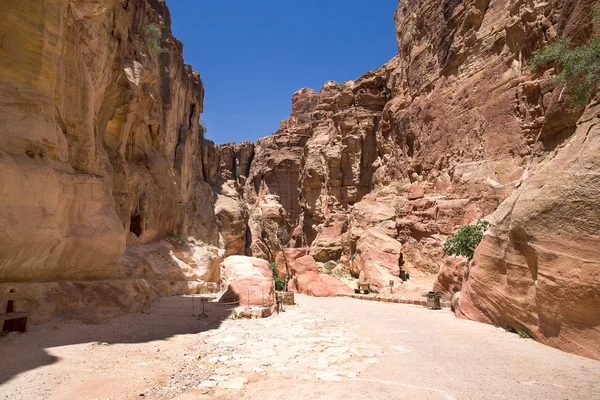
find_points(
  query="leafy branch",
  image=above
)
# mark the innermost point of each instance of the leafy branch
(466, 240)
(579, 65)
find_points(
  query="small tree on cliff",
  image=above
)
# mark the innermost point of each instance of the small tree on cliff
(466, 240)
(579, 65)
(153, 35)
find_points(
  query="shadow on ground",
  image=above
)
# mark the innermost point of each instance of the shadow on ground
(168, 317)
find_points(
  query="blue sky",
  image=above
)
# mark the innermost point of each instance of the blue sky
(253, 55)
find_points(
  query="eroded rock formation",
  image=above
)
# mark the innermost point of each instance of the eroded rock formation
(397, 160)
(102, 157)
(538, 268)
(101, 153)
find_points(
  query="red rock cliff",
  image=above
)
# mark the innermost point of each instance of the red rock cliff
(438, 137)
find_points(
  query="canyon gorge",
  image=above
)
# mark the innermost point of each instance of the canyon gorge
(111, 196)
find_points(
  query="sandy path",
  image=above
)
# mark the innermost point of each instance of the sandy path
(432, 355)
(323, 348)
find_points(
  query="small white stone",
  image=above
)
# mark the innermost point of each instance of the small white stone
(235, 383)
(327, 376)
(218, 378)
(208, 384)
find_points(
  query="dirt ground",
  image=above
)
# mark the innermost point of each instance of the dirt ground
(334, 348)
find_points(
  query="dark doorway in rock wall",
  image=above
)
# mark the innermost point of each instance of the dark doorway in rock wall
(135, 225)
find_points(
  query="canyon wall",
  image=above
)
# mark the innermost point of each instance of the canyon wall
(101, 157)
(110, 196)
(452, 129)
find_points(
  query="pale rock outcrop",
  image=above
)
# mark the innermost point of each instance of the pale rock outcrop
(141, 275)
(232, 214)
(328, 245)
(376, 260)
(268, 226)
(247, 280)
(165, 261)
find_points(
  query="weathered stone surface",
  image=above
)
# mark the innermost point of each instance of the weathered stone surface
(248, 280)
(236, 159)
(164, 261)
(232, 215)
(141, 275)
(268, 226)
(100, 147)
(450, 278)
(328, 245)
(376, 260)
(538, 268)
(284, 261)
(305, 279)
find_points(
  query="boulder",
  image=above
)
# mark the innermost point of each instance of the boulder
(247, 280)
(291, 255)
(307, 280)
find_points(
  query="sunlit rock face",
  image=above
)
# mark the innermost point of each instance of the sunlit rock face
(439, 137)
(102, 158)
(538, 268)
(100, 144)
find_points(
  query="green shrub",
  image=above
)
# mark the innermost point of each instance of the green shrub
(523, 334)
(466, 240)
(203, 125)
(153, 35)
(238, 172)
(580, 65)
(279, 283)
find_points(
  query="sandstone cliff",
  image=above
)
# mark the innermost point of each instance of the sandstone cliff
(110, 195)
(395, 161)
(101, 154)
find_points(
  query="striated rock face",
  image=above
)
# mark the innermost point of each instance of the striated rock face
(450, 277)
(236, 159)
(376, 260)
(100, 122)
(141, 275)
(275, 167)
(439, 137)
(538, 268)
(338, 157)
(101, 153)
